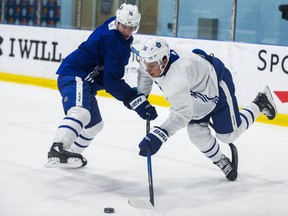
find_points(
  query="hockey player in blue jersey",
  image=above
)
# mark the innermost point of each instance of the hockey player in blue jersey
(199, 88)
(97, 64)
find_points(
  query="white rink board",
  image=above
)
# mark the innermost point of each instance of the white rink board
(38, 51)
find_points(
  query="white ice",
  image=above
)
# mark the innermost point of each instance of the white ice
(185, 181)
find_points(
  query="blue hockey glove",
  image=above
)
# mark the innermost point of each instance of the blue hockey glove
(153, 141)
(143, 107)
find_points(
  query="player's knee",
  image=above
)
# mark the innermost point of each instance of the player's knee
(80, 114)
(231, 137)
(227, 138)
(94, 130)
(199, 133)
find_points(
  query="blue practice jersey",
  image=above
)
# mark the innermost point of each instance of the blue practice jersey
(105, 53)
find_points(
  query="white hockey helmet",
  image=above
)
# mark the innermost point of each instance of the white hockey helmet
(128, 15)
(154, 50)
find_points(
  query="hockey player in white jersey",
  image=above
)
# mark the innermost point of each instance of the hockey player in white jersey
(199, 89)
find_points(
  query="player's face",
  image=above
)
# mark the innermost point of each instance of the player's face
(153, 69)
(125, 31)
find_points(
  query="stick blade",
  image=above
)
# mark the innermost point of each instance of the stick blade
(138, 203)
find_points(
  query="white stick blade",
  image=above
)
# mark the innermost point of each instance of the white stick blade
(137, 203)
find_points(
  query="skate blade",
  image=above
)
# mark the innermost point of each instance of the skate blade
(72, 163)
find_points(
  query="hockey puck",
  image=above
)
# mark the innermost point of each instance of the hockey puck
(109, 210)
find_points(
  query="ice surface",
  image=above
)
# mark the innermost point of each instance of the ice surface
(185, 182)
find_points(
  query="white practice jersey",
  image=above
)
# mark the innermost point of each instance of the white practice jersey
(190, 86)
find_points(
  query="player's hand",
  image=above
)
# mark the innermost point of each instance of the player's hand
(143, 108)
(153, 141)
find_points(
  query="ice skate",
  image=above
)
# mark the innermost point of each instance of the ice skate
(226, 166)
(265, 102)
(60, 158)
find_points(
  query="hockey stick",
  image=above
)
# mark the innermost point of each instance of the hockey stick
(149, 167)
(135, 202)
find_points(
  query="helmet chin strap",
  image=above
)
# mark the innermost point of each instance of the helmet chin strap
(162, 67)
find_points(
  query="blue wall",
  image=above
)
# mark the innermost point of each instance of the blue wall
(258, 21)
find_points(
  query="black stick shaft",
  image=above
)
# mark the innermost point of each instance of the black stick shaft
(149, 166)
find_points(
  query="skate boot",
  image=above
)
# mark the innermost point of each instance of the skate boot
(226, 166)
(265, 102)
(60, 158)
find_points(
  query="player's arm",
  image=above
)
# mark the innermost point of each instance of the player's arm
(115, 84)
(144, 82)
(180, 115)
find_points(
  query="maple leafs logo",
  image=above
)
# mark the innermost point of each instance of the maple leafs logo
(158, 44)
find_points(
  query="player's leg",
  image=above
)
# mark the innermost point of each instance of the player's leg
(226, 119)
(76, 104)
(229, 122)
(200, 134)
(71, 126)
(89, 131)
